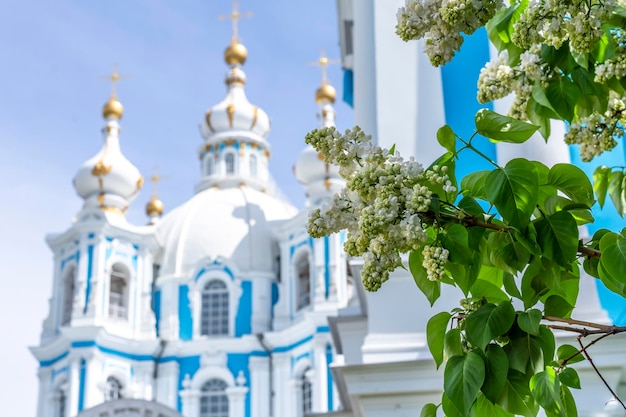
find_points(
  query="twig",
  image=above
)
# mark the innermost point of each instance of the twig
(606, 384)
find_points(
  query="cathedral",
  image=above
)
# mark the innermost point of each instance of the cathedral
(225, 307)
(218, 308)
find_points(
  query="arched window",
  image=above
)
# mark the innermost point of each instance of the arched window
(209, 164)
(213, 400)
(215, 309)
(303, 283)
(69, 286)
(253, 165)
(118, 292)
(113, 390)
(229, 159)
(60, 405)
(307, 394)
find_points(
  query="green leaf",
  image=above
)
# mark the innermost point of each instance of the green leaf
(547, 343)
(489, 322)
(514, 190)
(452, 343)
(557, 234)
(529, 321)
(569, 377)
(473, 184)
(485, 407)
(558, 306)
(569, 405)
(431, 289)
(435, 334)
(488, 291)
(518, 353)
(545, 388)
(449, 408)
(601, 177)
(572, 182)
(536, 361)
(511, 286)
(455, 240)
(616, 191)
(446, 138)
(463, 377)
(569, 353)
(613, 261)
(516, 397)
(429, 410)
(499, 128)
(496, 370)
(563, 94)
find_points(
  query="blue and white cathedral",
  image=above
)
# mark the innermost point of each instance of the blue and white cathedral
(217, 309)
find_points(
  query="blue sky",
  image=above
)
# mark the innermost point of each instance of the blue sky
(53, 56)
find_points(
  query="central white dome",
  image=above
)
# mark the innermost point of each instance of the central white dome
(233, 223)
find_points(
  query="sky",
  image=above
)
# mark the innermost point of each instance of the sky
(55, 55)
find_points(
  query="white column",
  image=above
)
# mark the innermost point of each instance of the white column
(365, 68)
(167, 384)
(282, 375)
(237, 401)
(318, 377)
(259, 386)
(73, 386)
(295, 397)
(190, 399)
(93, 383)
(169, 310)
(319, 247)
(261, 302)
(44, 375)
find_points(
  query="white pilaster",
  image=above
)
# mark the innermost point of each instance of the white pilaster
(73, 386)
(260, 386)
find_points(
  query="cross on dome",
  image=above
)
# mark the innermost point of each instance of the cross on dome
(114, 78)
(234, 17)
(113, 108)
(325, 93)
(323, 62)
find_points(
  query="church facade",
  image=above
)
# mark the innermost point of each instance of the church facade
(218, 308)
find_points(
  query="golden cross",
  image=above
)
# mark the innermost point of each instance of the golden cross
(155, 179)
(323, 62)
(114, 78)
(234, 16)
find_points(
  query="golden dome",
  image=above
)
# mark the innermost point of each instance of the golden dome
(113, 108)
(326, 92)
(154, 207)
(236, 53)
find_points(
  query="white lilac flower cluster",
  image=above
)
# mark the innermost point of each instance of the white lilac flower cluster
(555, 22)
(498, 79)
(435, 258)
(382, 204)
(441, 23)
(596, 133)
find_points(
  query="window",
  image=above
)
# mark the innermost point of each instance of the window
(215, 309)
(253, 165)
(209, 164)
(230, 163)
(60, 405)
(213, 400)
(307, 394)
(118, 292)
(348, 28)
(113, 390)
(303, 276)
(69, 286)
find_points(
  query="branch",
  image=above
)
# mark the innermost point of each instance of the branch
(473, 221)
(606, 384)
